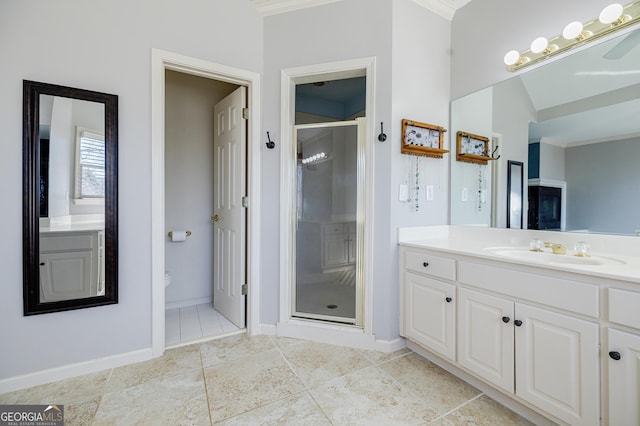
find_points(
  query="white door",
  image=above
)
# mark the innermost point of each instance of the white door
(229, 214)
(430, 318)
(624, 378)
(557, 364)
(486, 337)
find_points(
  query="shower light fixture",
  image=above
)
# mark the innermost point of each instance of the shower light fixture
(612, 18)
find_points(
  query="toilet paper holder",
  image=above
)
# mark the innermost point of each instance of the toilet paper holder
(171, 234)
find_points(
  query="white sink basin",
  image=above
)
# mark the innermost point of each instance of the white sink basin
(551, 258)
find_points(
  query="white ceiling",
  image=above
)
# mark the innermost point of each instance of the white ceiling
(445, 8)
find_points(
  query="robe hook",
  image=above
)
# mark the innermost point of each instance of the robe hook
(271, 144)
(382, 137)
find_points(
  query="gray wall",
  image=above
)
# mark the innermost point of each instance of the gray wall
(602, 187)
(102, 46)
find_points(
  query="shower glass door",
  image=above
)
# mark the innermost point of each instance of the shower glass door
(329, 221)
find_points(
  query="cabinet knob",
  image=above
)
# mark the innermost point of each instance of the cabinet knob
(42, 263)
(615, 355)
(518, 323)
(448, 299)
(425, 264)
(506, 319)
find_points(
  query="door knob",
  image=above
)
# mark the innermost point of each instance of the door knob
(215, 218)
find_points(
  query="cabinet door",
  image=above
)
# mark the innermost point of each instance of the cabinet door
(334, 250)
(485, 337)
(430, 313)
(624, 378)
(67, 275)
(557, 364)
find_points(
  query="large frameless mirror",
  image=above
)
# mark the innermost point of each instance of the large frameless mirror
(70, 193)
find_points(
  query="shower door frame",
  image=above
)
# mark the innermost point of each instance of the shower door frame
(360, 124)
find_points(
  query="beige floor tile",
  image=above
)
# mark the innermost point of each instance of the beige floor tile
(238, 386)
(81, 414)
(10, 397)
(380, 357)
(296, 410)
(175, 400)
(174, 362)
(369, 397)
(234, 347)
(317, 363)
(484, 411)
(67, 392)
(439, 389)
(284, 342)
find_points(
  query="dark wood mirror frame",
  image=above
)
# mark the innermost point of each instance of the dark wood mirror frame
(31, 204)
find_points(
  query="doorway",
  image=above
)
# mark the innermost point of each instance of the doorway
(205, 146)
(358, 333)
(161, 62)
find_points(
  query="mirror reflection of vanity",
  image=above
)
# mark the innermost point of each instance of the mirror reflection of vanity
(69, 198)
(574, 124)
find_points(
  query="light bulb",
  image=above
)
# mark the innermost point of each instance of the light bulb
(572, 30)
(538, 45)
(611, 13)
(512, 57)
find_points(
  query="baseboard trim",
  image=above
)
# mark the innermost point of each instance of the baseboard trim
(187, 302)
(335, 334)
(73, 370)
(268, 329)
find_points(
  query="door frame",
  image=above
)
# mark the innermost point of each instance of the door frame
(289, 78)
(162, 60)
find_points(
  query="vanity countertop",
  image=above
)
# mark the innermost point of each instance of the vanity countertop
(613, 257)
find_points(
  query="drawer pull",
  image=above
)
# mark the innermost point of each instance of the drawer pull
(425, 264)
(448, 299)
(615, 355)
(518, 323)
(506, 319)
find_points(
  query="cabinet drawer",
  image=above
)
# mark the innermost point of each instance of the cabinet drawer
(64, 241)
(424, 263)
(568, 295)
(333, 229)
(623, 307)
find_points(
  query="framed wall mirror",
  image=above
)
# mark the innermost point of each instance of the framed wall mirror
(70, 198)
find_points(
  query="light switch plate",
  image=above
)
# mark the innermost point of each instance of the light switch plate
(403, 193)
(429, 192)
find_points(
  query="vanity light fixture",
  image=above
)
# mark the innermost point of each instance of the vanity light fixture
(612, 18)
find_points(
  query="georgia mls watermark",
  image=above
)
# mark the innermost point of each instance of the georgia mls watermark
(31, 415)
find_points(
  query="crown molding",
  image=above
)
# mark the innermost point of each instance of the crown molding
(274, 7)
(444, 8)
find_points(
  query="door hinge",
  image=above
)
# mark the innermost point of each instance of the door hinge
(245, 289)
(245, 201)
(245, 113)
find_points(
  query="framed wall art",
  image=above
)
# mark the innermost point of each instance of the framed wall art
(472, 148)
(422, 139)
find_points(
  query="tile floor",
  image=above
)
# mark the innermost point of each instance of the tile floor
(266, 380)
(196, 322)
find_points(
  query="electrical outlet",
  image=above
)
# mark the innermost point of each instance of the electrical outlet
(429, 192)
(465, 195)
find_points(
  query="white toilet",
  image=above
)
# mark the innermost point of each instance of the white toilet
(167, 279)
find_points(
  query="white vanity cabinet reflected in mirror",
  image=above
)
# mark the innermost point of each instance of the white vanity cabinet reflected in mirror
(71, 224)
(574, 124)
(69, 198)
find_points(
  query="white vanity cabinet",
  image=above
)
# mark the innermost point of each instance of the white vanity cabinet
(623, 354)
(546, 358)
(338, 245)
(70, 265)
(429, 302)
(520, 332)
